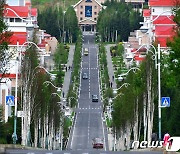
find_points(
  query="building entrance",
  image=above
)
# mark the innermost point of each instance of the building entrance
(88, 28)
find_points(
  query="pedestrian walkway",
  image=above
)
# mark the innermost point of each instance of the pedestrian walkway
(110, 66)
(67, 77)
(114, 86)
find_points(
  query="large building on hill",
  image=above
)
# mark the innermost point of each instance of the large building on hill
(87, 13)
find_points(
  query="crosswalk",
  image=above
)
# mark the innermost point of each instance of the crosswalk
(90, 108)
(90, 68)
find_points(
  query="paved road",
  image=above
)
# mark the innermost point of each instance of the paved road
(88, 123)
(74, 152)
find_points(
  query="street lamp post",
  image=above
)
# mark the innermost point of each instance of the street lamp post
(133, 68)
(159, 90)
(14, 135)
(159, 67)
(124, 84)
(58, 88)
(53, 76)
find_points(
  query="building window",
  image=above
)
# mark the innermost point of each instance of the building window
(95, 19)
(95, 7)
(95, 13)
(81, 12)
(11, 19)
(88, 0)
(18, 20)
(88, 11)
(81, 7)
(81, 18)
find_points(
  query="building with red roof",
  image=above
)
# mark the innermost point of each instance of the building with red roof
(162, 20)
(164, 3)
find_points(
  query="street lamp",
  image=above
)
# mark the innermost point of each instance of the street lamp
(53, 76)
(159, 69)
(58, 88)
(124, 84)
(120, 77)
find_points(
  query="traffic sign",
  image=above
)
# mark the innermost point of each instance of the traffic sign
(10, 100)
(165, 102)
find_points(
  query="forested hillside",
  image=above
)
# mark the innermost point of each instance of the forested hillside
(44, 3)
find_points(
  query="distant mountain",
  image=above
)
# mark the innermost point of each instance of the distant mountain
(63, 3)
(45, 3)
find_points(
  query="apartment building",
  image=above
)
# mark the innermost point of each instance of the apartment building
(21, 20)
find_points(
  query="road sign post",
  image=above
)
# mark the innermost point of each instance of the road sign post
(165, 102)
(10, 100)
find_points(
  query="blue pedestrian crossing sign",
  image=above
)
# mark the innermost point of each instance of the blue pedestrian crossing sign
(10, 100)
(165, 102)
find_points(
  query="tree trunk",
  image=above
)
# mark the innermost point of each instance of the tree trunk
(36, 133)
(145, 115)
(136, 121)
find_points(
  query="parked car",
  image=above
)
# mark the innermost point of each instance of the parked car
(94, 98)
(97, 143)
(85, 76)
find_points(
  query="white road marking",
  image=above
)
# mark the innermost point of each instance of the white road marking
(88, 126)
(89, 75)
(75, 121)
(103, 133)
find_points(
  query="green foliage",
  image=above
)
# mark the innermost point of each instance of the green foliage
(117, 20)
(130, 100)
(76, 70)
(62, 26)
(71, 25)
(171, 82)
(4, 41)
(60, 59)
(43, 4)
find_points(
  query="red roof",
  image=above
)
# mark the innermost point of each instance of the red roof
(163, 40)
(21, 11)
(164, 30)
(162, 2)
(139, 50)
(134, 50)
(42, 44)
(18, 36)
(146, 13)
(137, 58)
(12, 76)
(34, 12)
(47, 35)
(163, 20)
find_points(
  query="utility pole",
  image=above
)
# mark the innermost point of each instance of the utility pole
(159, 90)
(14, 135)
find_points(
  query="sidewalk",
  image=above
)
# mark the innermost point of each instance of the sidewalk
(114, 86)
(67, 77)
(110, 66)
